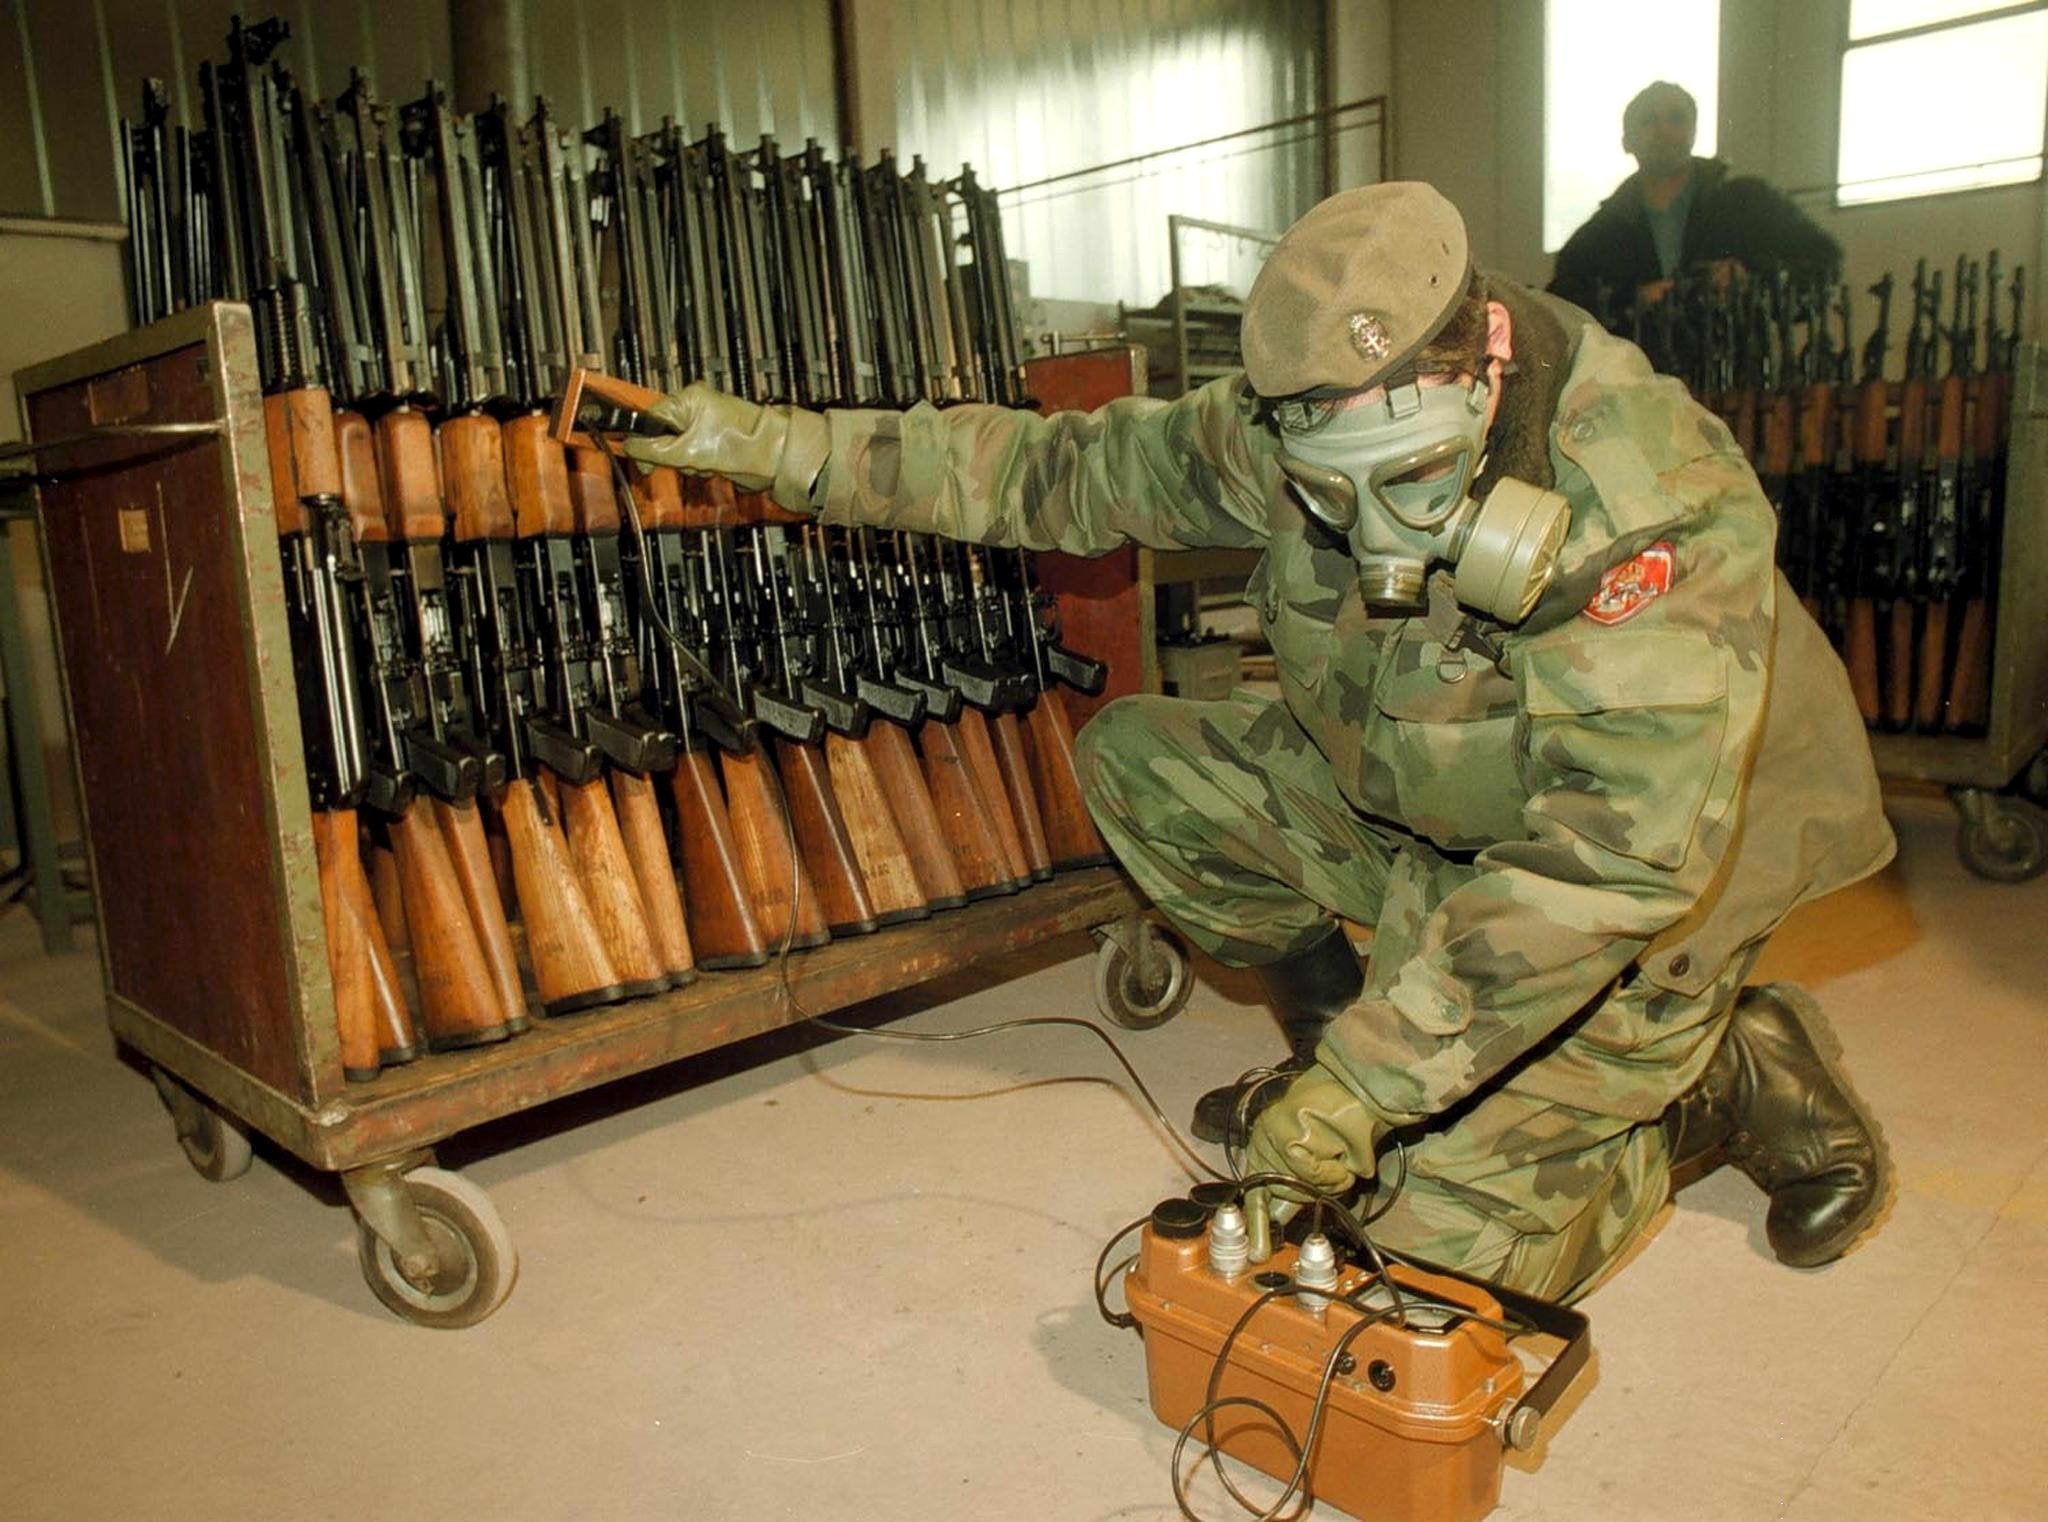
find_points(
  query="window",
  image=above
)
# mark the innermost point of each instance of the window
(1939, 95)
(1596, 55)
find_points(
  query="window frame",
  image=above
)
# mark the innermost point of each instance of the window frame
(1851, 44)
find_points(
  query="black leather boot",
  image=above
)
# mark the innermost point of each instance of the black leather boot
(1307, 989)
(1776, 1107)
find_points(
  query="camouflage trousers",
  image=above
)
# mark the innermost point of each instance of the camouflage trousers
(1231, 821)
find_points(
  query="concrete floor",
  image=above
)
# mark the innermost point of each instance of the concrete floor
(836, 1279)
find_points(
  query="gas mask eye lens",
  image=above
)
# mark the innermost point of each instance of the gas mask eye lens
(1424, 487)
(1328, 496)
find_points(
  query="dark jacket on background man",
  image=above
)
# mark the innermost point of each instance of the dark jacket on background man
(1732, 217)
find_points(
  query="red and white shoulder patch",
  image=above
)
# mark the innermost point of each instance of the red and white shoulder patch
(1633, 585)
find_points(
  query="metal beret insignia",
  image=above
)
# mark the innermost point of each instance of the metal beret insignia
(1369, 337)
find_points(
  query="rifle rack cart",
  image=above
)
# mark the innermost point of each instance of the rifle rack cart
(2000, 836)
(162, 555)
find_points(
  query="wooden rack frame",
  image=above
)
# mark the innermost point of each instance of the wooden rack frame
(161, 551)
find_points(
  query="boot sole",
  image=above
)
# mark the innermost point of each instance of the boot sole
(1806, 1012)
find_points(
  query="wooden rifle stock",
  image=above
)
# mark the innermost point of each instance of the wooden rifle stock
(298, 426)
(878, 841)
(1932, 684)
(893, 760)
(397, 1040)
(718, 902)
(831, 862)
(1816, 454)
(1969, 691)
(501, 862)
(1859, 641)
(785, 902)
(462, 948)
(461, 823)
(1742, 421)
(851, 818)
(1899, 645)
(598, 849)
(462, 830)
(1933, 661)
(596, 503)
(972, 736)
(591, 492)
(1969, 694)
(647, 847)
(822, 839)
(1007, 737)
(493, 486)
(570, 963)
(1070, 833)
(373, 1024)
(964, 814)
(1780, 420)
(536, 475)
(602, 897)
(388, 898)
(458, 1001)
(348, 949)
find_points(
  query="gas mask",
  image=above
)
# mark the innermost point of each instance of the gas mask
(1393, 477)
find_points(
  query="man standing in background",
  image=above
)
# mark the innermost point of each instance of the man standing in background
(1677, 212)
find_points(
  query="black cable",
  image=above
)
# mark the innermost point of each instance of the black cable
(1322, 1201)
(1115, 1318)
(623, 486)
(1301, 1448)
(783, 952)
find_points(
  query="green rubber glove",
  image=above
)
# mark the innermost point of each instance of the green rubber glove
(1319, 1131)
(780, 450)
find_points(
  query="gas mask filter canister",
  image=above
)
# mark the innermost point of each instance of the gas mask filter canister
(1393, 476)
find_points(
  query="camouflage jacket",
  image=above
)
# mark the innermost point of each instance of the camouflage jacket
(1650, 793)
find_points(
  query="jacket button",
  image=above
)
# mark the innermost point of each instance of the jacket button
(1681, 965)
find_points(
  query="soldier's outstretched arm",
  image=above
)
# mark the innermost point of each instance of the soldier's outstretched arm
(1634, 741)
(1187, 474)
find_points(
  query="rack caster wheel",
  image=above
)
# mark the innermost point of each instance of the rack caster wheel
(431, 1245)
(2034, 780)
(1142, 977)
(217, 1147)
(2003, 839)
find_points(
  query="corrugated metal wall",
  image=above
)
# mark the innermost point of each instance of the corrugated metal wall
(70, 68)
(765, 66)
(1026, 90)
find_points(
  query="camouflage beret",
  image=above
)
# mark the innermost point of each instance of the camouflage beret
(1352, 291)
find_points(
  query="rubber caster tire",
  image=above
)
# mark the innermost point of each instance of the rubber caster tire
(1118, 993)
(477, 1261)
(216, 1147)
(2007, 843)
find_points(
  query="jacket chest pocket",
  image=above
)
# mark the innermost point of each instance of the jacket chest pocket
(1297, 612)
(1440, 754)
